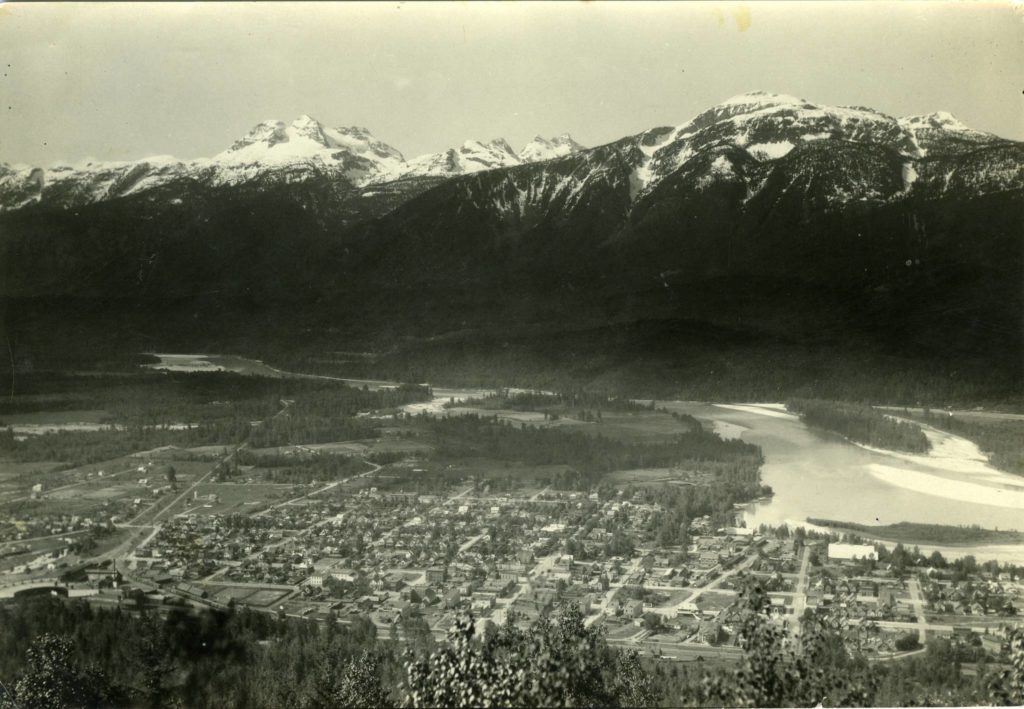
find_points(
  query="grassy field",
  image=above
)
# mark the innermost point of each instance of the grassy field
(247, 594)
(244, 498)
(639, 427)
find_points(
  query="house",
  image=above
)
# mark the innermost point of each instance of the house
(687, 608)
(97, 574)
(634, 609)
(511, 572)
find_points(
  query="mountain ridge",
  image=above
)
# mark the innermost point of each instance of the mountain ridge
(766, 125)
(837, 227)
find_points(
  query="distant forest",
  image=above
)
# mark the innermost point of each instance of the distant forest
(147, 410)
(590, 456)
(862, 424)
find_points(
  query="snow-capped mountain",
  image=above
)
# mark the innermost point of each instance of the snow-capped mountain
(472, 156)
(306, 145)
(769, 126)
(758, 209)
(540, 149)
(766, 126)
(273, 152)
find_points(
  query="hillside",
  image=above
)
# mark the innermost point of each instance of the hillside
(832, 229)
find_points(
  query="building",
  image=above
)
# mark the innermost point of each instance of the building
(849, 552)
(436, 574)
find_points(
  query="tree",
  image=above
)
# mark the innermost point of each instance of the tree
(652, 622)
(54, 681)
(150, 652)
(1008, 688)
(907, 642)
(555, 662)
(360, 684)
(780, 670)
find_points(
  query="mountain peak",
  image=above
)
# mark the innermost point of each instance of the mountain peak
(541, 148)
(763, 99)
(936, 119)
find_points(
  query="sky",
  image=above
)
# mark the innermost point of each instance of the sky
(124, 81)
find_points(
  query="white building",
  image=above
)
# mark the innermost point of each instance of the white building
(847, 552)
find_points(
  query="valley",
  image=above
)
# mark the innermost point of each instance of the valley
(511, 354)
(346, 501)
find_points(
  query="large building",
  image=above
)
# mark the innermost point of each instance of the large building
(848, 552)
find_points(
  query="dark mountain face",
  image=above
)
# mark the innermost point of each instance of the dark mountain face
(769, 216)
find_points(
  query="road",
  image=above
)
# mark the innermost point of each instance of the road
(538, 494)
(634, 565)
(900, 625)
(60, 535)
(693, 597)
(914, 586)
(800, 597)
(325, 488)
(470, 544)
(128, 547)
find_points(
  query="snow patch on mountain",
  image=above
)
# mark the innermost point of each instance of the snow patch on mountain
(909, 175)
(768, 126)
(770, 151)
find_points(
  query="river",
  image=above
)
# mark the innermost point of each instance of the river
(819, 474)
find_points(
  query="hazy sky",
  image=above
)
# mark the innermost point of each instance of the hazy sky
(121, 81)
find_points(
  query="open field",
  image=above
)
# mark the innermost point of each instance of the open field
(638, 426)
(642, 476)
(243, 498)
(250, 595)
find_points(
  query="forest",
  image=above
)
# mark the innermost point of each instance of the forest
(65, 654)
(591, 456)
(861, 424)
(153, 409)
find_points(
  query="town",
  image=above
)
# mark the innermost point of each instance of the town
(411, 536)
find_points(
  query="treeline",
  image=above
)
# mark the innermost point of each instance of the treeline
(1001, 440)
(204, 659)
(75, 448)
(326, 416)
(683, 504)
(591, 456)
(646, 360)
(154, 398)
(919, 533)
(63, 655)
(903, 558)
(568, 402)
(58, 655)
(862, 424)
(143, 415)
